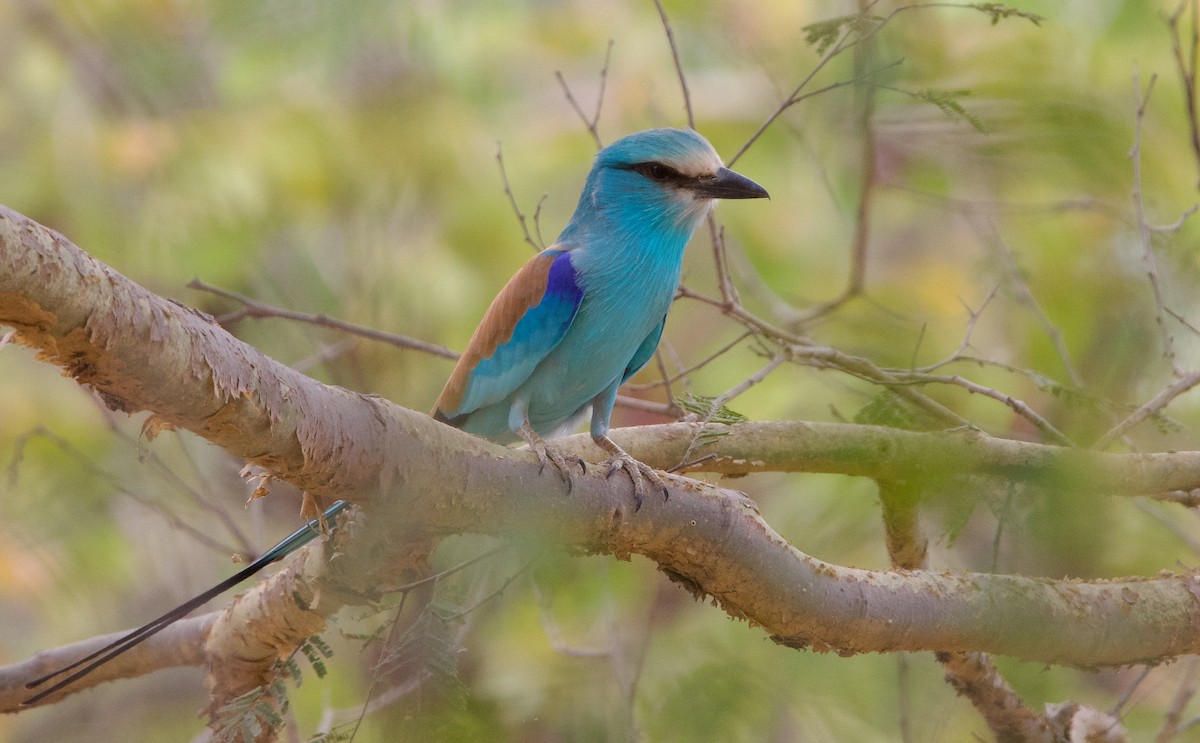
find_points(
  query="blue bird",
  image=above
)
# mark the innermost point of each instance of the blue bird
(567, 330)
(584, 315)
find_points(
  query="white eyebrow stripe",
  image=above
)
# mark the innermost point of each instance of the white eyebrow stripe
(695, 165)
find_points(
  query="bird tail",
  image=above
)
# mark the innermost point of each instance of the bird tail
(289, 544)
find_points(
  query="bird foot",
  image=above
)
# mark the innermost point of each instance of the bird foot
(639, 472)
(550, 454)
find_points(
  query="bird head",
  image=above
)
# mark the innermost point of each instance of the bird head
(670, 174)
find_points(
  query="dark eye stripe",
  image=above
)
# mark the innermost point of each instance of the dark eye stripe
(656, 171)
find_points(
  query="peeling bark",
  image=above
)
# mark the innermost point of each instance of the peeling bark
(418, 481)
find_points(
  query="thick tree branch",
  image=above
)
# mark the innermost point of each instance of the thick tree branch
(181, 644)
(419, 480)
(882, 453)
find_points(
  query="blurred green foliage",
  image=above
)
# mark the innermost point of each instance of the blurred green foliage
(341, 158)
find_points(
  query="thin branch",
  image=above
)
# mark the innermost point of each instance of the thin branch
(867, 186)
(1183, 321)
(1117, 710)
(96, 471)
(666, 409)
(798, 97)
(1172, 721)
(494, 594)
(1141, 101)
(592, 123)
(512, 201)
(667, 380)
(854, 35)
(1020, 407)
(1151, 408)
(408, 587)
(753, 379)
(1186, 67)
(716, 406)
(537, 218)
(1177, 225)
(1024, 296)
(827, 357)
(683, 86)
(257, 309)
(843, 43)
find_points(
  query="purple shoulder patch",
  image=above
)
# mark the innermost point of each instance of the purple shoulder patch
(561, 280)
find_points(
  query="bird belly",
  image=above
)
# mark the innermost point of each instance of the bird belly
(592, 357)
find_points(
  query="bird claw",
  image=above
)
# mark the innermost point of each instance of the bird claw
(639, 472)
(549, 454)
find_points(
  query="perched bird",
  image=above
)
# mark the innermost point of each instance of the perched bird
(585, 314)
(575, 322)
(287, 546)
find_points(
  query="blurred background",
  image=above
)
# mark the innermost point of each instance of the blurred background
(340, 158)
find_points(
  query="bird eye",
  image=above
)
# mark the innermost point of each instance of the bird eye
(655, 171)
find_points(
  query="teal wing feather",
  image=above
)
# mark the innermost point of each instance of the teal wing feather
(525, 322)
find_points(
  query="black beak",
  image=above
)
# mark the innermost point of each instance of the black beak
(727, 184)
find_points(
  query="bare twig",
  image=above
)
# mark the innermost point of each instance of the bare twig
(854, 35)
(1172, 726)
(512, 201)
(830, 358)
(1149, 409)
(844, 42)
(1142, 100)
(664, 373)
(434, 578)
(1186, 66)
(683, 86)
(729, 293)
(753, 379)
(1024, 296)
(592, 123)
(493, 594)
(867, 184)
(1020, 407)
(254, 308)
(667, 380)
(721, 400)
(798, 97)
(117, 485)
(1117, 710)
(326, 353)
(537, 219)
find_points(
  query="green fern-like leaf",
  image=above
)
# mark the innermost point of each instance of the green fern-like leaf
(708, 411)
(947, 102)
(1000, 11)
(704, 407)
(339, 734)
(322, 646)
(248, 717)
(824, 34)
(316, 650)
(886, 409)
(292, 668)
